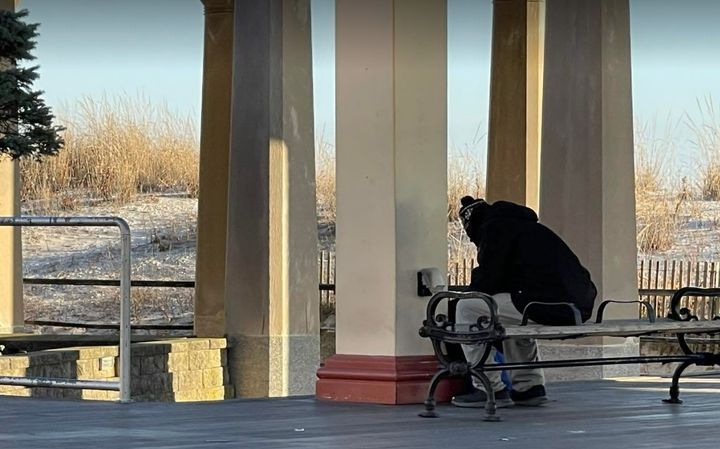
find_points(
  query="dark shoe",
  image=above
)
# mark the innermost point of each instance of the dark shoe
(478, 399)
(530, 398)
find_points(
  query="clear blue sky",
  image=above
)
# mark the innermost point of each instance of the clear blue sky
(154, 47)
(92, 47)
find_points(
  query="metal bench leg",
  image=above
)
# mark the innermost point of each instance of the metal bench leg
(429, 411)
(490, 405)
(675, 386)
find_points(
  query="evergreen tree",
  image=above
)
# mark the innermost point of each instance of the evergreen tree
(26, 123)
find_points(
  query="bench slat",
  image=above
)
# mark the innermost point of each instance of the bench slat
(612, 328)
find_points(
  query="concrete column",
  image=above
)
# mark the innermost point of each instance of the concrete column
(391, 139)
(214, 152)
(587, 181)
(12, 318)
(534, 90)
(508, 92)
(515, 89)
(271, 288)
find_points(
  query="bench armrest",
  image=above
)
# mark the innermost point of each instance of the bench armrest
(441, 327)
(683, 314)
(577, 317)
(439, 297)
(648, 307)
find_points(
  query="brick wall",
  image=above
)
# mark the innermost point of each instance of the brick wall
(192, 369)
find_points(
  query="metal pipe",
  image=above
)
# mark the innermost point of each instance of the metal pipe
(124, 384)
(64, 221)
(114, 326)
(49, 382)
(593, 362)
(108, 282)
(124, 311)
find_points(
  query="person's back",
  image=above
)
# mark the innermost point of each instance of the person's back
(520, 256)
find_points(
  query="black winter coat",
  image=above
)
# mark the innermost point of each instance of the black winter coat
(520, 256)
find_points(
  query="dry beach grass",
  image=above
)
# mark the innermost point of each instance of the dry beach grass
(116, 148)
(657, 208)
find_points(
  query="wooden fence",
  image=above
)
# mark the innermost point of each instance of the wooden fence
(656, 280)
(664, 276)
(326, 264)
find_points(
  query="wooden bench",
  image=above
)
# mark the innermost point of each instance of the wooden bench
(445, 335)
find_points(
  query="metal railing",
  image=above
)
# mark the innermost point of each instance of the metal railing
(107, 282)
(123, 385)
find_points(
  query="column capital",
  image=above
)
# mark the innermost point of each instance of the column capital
(218, 6)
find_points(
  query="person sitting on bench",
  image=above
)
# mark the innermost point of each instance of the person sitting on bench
(519, 261)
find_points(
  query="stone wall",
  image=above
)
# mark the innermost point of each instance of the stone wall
(192, 369)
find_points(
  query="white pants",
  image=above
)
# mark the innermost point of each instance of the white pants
(514, 349)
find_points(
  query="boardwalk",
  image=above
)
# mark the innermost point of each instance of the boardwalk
(584, 415)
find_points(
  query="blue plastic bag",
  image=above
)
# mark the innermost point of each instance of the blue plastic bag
(505, 376)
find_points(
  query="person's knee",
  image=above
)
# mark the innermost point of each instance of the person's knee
(468, 311)
(462, 310)
(525, 343)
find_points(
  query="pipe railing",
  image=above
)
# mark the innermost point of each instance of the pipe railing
(123, 386)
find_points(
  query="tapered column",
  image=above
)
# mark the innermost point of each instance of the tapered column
(515, 90)
(11, 295)
(587, 181)
(534, 90)
(391, 194)
(214, 153)
(271, 289)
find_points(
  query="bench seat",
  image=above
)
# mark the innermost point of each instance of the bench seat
(612, 328)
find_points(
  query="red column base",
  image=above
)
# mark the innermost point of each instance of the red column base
(381, 379)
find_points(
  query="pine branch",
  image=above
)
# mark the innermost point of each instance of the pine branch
(26, 122)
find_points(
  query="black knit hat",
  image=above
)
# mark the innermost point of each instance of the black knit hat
(469, 206)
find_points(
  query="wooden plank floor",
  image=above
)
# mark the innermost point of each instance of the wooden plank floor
(587, 415)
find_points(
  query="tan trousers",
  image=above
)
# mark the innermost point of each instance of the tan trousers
(514, 349)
